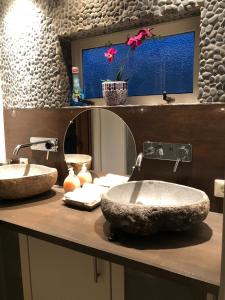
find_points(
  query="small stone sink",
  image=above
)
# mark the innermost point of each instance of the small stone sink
(21, 181)
(147, 207)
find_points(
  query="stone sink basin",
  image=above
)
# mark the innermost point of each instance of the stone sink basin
(21, 181)
(147, 207)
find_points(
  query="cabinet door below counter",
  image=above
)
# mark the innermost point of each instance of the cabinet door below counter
(52, 272)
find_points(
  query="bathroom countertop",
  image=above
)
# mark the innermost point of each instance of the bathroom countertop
(192, 257)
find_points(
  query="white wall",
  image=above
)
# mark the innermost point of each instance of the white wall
(2, 133)
(108, 142)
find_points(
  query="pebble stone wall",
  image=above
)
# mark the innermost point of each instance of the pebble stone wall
(212, 53)
(32, 68)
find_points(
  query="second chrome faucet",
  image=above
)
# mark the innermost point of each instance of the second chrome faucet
(165, 151)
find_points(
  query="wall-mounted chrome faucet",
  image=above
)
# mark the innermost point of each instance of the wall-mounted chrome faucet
(165, 151)
(41, 144)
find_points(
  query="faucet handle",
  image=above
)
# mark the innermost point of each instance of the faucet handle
(182, 154)
(160, 151)
(49, 145)
(47, 155)
(176, 165)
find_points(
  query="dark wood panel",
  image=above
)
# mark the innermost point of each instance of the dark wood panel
(203, 126)
(10, 269)
(139, 285)
(192, 257)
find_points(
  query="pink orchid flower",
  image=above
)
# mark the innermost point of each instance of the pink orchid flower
(144, 33)
(134, 42)
(110, 53)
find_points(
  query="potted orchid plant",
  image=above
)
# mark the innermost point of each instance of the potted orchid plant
(116, 92)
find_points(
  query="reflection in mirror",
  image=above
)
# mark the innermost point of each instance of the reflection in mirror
(102, 141)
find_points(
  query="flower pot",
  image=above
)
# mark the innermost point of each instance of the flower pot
(114, 92)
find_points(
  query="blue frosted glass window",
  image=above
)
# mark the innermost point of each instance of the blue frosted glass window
(155, 66)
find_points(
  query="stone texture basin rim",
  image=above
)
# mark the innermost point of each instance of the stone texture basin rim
(149, 206)
(19, 181)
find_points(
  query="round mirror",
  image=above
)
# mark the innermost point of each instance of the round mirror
(102, 142)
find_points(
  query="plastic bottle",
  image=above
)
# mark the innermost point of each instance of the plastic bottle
(71, 182)
(84, 175)
(77, 94)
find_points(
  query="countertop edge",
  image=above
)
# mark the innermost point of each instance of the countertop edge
(187, 279)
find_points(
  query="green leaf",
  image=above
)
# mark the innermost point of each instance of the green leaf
(119, 75)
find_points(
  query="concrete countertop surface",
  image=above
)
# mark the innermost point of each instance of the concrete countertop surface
(192, 257)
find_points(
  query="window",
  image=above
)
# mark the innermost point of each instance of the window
(169, 63)
(164, 64)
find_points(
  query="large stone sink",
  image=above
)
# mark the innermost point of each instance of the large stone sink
(21, 181)
(146, 207)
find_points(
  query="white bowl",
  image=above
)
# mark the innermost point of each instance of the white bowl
(77, 161)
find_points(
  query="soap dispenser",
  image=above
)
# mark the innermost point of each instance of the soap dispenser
(84, 175)
(71, 182)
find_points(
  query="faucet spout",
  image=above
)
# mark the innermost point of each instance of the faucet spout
(17, 149)
(139, 161)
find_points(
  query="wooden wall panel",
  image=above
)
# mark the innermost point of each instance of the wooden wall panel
(203, 126)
